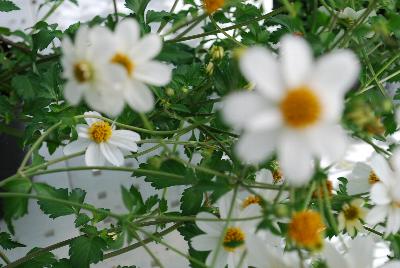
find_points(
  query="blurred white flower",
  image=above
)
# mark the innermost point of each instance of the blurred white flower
(102, 142)
(361, 179)
(88, 71)
(351, 216)
(352, 16)
(295, 108)
(386, 194)
(134, 56)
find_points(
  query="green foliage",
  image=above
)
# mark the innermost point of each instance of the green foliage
(86, 250)
(7, 6)
(7, 243)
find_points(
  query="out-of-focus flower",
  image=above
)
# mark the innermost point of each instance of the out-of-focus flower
(210, 6)
(102, 142)
(361, 179)
(351, 216)
(295, 108)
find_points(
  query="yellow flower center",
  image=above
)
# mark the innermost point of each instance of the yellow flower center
(373, 178)
(212, 5)
(100, 131)
(277, 176)
(233, 239)
(83, 71)
(251, 199)
(300, 108)
(306, 229)
(351, 213)
(124, 61)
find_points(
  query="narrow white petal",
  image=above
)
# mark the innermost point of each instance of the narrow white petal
(153, 73)
(296, 60)
(255, 147)
(146, 48)
(376, 215)
(395, 159)
(128, 33)
(73, 92)
(139, 97)
(82, 40)
(101, 45)
(380, 194)
(361, 246)
(266, 120)
(221, 259)
(76, 146)
(328, 141)
(112, 154)
(336, 71)
(333, 257)
(239, 107)
(259, 66)
(125, 139)
(393, 222)
(93, 155)
(204, 242)
(90, 120)
(209, 227)
(295, 158)
(264, 176)
(382, 169)
(391, 264)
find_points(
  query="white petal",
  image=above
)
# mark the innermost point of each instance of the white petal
(255, 147)
(259, 66)
(153, 73)
(90, 120)
(391, 264)
(76, 146)
(328, 141)
(114, 104)
(264, 176)
(295, 158)
(221, 259)
(101, 47)
(204, 242)
(147, 48)
(382, 169)
(127, 32)
(209, 227)
(112, 154)
(376, 215)
(82, 41)
(73, 92)
(296, 60)
(93, 155)
(393, 222)
(336, 71)
(395, 159)
(139, 97)
(361, 246)
(380, 194)
(333, 257)
(239, 107)
(125, 139)
(266, 120)
(358, 186)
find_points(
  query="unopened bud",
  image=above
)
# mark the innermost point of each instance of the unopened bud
(170, 92)
(210, 68)
(217, 52)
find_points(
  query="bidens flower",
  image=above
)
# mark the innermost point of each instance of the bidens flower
(351, 216)
(211, 6)
(88, 71)
(102, 142)
(295, 108)
(386, 194)
(134, 57)
(361, 179)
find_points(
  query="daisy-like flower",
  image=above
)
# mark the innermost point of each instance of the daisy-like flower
(88, 71)
(134, 57)
(210, 6)
(386, 193)
(295, 108)
(351, 216)
(102, 142)
(361, 179)
(306, 229)
(235, 243)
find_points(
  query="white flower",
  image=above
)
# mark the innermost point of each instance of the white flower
(361, 179)
(235, 240)
(295, 108)
(386, 194)
(352, 16)
(88, 71)
(134, 56)
(102, 142)
(267, 177)
(351, 215)
(359, 255)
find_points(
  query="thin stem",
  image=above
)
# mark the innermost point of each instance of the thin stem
(4, 257)
(331, 218)
(115, 10)
(164, 23)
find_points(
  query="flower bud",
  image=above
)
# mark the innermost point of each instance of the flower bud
(210, 68)
(217, 52)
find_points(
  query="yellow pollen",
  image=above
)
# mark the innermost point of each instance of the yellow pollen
(277, 176)
(100, 131)
(373, 178)
(83, 71)
(306, 229)
(124, 61)
(300, 108)
(212, 5)
(251, 199)
(351, 213)
(233, 239)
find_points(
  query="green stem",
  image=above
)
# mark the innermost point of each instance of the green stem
(4, 257)
(225, 33)
(328, 207)
(164, 23)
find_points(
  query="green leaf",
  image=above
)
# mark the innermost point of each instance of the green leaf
(7, 243)
(177, 54)
(191, 201)
(82, 219)
(137, 6)
(63, 263)
(7, 6)
(132, 199)
(86, 250)
(44, 260)
(23, 87)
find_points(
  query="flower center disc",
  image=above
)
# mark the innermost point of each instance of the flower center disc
(124, 61)
(212, 5)
(100, 131)
(373, 178)
(300, 108)
(306, 229)
(233, 239)
(83, 71)
(351, 213)
(251, 199)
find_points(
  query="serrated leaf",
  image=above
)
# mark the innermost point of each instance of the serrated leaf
(7, 6)
(132, 199)
(7, 243)
(191, 201)
(23, 86)
(86, 250)
(44, 260)
(82, 219)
